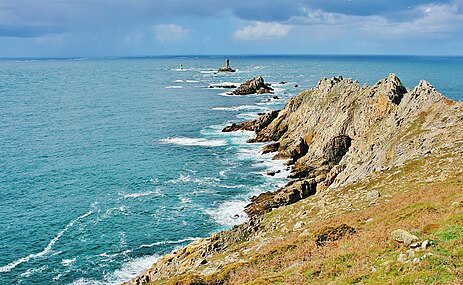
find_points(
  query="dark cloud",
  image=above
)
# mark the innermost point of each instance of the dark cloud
(26, 18)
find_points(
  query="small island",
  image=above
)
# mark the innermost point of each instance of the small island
(227, 67)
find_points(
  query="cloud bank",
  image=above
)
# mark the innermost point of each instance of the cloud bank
(262, 31)
(154, 27)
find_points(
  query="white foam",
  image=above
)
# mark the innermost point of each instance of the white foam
(229, 213)
(211, 181)
(109, 212)
(181, 69)
(185, 200)
(240, 108)
(174, 87)
(47, 249)
(247, 116)
(186, 81)
(227, 94)
(209, 71)
(141, 194)
(68, 262)
(169, 242)
(32, 271)
(131, 269)
(194, 141)
(222, 84)
(128, 271)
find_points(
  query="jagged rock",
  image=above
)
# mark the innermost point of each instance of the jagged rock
(252, 86)
(273, 147)
(293, 192)
(254, 125)
(337, 148)
(403, 236)
(273, 172)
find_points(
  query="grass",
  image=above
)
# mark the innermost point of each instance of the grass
(348, 239)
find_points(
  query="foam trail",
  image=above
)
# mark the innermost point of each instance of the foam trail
(186, 81)
(168, 242)
(239, 108)
(47, 249)
(174, 87)
(142, 194)
(193, 141)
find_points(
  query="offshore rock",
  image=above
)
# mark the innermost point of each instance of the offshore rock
(227, 67)
(253, 86)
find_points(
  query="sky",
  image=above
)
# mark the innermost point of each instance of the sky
(94, 28)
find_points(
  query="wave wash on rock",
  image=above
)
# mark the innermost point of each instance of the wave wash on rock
(335, 134)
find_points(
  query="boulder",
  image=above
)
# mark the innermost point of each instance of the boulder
(403, 236)
(253, 86)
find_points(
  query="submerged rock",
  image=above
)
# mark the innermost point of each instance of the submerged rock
(253, 86)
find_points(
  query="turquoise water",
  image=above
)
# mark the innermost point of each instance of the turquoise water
(106, 164)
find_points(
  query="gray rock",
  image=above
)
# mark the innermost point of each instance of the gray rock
(373, 195)
(425, 244)
(402, 258)
(252, 86)
(403, 236)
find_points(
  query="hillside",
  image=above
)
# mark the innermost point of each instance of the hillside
(366, 161)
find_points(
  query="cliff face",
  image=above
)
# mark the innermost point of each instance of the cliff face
(340, 133)
(339, 137)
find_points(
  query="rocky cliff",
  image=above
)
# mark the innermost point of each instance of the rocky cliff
(350, 147)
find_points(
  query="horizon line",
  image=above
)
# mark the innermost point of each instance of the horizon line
(221, 55)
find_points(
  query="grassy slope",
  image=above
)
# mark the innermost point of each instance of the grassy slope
(424, 197)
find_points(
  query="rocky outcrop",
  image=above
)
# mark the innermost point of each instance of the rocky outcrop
(338, 137)
(255, 125)
(227, 67)
(253, 86)
(339, 133)
(291, 193)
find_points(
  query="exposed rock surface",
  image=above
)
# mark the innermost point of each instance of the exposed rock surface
(339, 132)
(336, 135)
(254, 125)
(252, 86)
(403, 236)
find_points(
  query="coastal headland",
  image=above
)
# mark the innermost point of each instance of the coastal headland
(376, 195)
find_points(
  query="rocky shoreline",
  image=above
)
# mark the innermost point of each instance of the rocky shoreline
(334, 135)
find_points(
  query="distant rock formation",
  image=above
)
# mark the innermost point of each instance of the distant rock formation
(253, 86)
(227, 67)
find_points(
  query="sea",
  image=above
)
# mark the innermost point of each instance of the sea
(106, 164)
